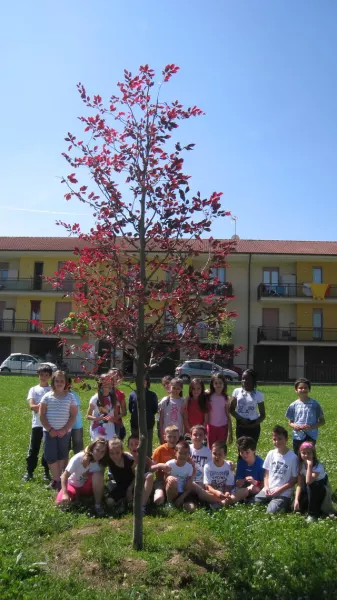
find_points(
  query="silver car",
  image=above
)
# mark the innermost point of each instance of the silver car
(24, 363)
(203, 369)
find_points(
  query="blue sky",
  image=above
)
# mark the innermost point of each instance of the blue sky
(264, 72)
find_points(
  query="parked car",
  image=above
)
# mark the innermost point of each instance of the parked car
(204, 369)
(24, 363)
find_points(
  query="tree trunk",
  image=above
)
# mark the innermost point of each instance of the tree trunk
(142, 452)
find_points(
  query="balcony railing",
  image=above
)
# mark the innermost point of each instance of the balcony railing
(291, 290)
(24, 326)
(296, 334)
(35, 284)
(221, 289)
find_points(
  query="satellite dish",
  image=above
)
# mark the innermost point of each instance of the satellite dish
(235, 237)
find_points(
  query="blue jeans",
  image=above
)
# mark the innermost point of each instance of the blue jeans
(275, 503)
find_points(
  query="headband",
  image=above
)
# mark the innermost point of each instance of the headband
(307, 445)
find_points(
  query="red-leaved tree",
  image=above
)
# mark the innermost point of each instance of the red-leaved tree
(144, 274)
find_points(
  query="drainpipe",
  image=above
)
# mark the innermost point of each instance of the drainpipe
(248, 310)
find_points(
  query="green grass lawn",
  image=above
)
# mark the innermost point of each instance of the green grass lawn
(239, 552)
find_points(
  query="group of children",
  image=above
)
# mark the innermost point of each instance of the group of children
(189, 467)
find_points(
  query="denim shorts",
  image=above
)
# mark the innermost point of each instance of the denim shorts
(55, 448)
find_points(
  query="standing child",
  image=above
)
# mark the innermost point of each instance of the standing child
(84, 476)
(219, 425)
(160, 456)
(171, 410)
(305, 415)
(218, 475)
(166, 383)
(58, 412)
(281, 468)
(195, 411)
(76, 436)
(179, 482)
(247, 407)
(116, 379)
(34, 397)
(101, 411)
(312, 481)
(151, 407)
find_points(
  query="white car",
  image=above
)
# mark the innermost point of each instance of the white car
(24, 363)
(203, 369)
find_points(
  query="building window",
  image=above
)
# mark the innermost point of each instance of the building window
(317, 275)
(317, 323)
(270, 276)
(3, 271)
(220, 273)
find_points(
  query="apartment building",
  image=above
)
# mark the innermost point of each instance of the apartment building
(26, 296)
(286, 297)
(285, 294)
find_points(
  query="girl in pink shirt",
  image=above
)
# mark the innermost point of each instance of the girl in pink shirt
(219, 425)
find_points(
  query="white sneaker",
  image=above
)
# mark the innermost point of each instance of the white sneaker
(311, 519)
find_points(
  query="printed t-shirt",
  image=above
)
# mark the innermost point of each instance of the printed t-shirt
(200, 457)
(58, 409)
(256, 470)
(172, 413)
(304, 413)
(101, 429)
(181, 473)
(218, 406)
(281, 468)
(36, 393)
(163, 454)
(246, 403)
(218, 477)
(316, 469)
(78, 473)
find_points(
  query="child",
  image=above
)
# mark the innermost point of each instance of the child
(195, 409)
(218, 476)
(58, 413)
(219, 425)
(281, 468)
(171, 409)
(116, 378)
(84, 476)
(101, 411)
(312, 481)
(247, 407)
(249, 470)
(179, 482)
(160, 457)
(151, 405)
(34, 397)
(200, 454)
(166, 383)
(122, 470)
(305, 415)
(76, 436)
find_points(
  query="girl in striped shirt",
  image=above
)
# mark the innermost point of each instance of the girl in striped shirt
(58, 411)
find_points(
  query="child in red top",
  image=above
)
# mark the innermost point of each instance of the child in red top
(195, 411)
(219, 425)
(116, 379)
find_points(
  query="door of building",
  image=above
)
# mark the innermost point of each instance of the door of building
(270, 323)
(38, 272)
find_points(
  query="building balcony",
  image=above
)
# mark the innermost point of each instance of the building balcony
(24, 327)
(35, 284)
(221, 289)
(296, 335)
(296, 292)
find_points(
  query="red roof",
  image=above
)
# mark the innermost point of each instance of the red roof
(67, 244)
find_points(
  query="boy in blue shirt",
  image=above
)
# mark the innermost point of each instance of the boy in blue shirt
(249, 470)
(305, 415)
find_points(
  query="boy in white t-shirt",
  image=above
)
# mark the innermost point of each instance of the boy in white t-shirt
(219, 478)
(281, 471)
(34, 398)
(179, 482)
